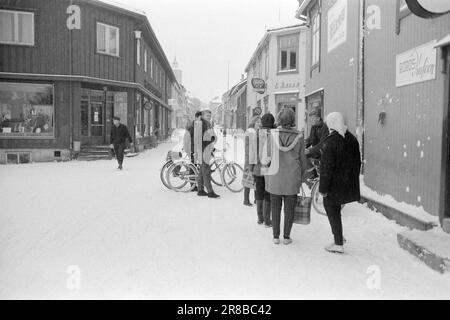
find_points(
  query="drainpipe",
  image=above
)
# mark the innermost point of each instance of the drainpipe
(360, 83)
(71, 125)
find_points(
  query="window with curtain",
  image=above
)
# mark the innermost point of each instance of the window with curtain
(315, 38)
(108, 39)
(288, 50)
(145, 60)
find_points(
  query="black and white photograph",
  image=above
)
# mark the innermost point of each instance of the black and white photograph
(224, 150)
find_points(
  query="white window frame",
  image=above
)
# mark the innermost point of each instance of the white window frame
(138, 52)
(16, 28)
(315, 39)
(107, 47)
(289, 51)
(151, 67)
(145, 60)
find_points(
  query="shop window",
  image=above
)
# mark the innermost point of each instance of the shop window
(315, 38)
(108, 39)
(18, 157)
(139, 124)
(16, 27)
(26, 109)
(288, 49)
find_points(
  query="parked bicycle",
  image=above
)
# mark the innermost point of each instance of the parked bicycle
(317, 199)
(181, 176)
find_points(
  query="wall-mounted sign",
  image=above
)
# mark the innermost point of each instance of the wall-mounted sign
(337, 24)
(416, 65)
(259, 85)
(74, 19)
(286, 85)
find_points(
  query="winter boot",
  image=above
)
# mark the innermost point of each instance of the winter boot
(202, 193)
(266, 214)
(259, 211)
(212, 194)
(287, 241)
(276, 241)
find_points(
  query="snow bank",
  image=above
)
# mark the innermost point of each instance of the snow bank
(388, 200)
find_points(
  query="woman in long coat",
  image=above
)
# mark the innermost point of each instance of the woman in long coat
(339, 175)
(285, 173)
(252, 131)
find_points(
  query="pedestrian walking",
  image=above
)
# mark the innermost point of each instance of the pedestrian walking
(286, 150)
(339, 175)
(204, 174)
(118, 139)
(251, 134)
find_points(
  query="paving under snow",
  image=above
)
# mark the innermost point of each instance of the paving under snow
(132, 238)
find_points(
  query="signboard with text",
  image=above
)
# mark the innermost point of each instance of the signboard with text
(337, 24)
(259, 85)
(416, 65)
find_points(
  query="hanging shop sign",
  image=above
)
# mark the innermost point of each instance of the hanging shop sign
(259, 85)
(416, 65)
(428, 8)
(257, 111)
(337, 24)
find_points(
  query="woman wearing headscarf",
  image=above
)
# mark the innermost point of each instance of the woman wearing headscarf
(250, 142)
(339, 175)
(285, 173)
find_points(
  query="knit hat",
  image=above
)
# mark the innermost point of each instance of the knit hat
(268, 121)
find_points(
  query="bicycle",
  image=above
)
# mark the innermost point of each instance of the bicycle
(317, 199)
(182, 176)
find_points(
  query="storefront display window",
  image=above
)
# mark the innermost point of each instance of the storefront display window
(26, 110)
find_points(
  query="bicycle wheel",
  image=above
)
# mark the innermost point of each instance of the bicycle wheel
(232, 174)
(181, 176)
(216, 172)
(163, 173)
(317, 199)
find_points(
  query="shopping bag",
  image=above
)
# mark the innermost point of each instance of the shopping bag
(302, 212)
(248, 181)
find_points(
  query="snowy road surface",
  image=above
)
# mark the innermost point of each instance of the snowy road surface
(129, 237)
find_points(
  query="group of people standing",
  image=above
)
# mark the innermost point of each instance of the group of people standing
(280, 166)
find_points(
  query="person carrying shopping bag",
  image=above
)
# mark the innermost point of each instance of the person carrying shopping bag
(285, 173)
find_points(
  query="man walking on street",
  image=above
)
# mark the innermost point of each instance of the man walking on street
(119, 135)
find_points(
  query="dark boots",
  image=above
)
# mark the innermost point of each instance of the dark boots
(266, 214)
(259, 211)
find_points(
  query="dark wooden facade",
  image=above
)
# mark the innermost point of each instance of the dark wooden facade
(69, 60)
(405, 128)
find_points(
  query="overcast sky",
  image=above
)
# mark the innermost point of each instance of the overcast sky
(206, 34)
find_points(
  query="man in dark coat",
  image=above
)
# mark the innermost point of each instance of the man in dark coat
(319, 131)
(339, 175)
(119, 136)
(204, 174)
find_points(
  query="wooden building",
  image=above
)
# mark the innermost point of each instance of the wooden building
(67, 67)
(386, 70)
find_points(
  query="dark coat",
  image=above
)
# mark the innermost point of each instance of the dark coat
(207, 138)
(288, 162)
(316, 137)
(339, 169)
(120, 134)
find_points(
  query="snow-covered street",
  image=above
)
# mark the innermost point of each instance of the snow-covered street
(131, 237)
